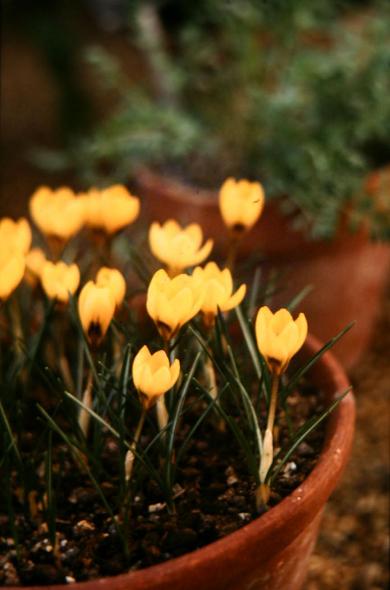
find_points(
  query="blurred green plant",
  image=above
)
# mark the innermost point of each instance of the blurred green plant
(292, 93)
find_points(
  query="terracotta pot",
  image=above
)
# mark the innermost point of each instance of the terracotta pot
(348, 274)
(272, 552)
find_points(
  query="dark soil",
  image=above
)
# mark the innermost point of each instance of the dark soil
(215, 497)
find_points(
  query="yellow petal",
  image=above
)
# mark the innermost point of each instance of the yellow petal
(175, 372)
(194, 231)
(202, 254)
(158, 359)
(11, 273)
(280, 320)
(140, 359)
(235, 299)
(114, 280)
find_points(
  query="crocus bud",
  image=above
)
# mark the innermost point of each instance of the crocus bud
(173, 302)
(177, 247)
(110, 209)
(12, 265)
(241, 204)
(153, 375)
(114, 280)
(57, 213)
(15, 235)
(279, 337)
(96, 309)
(59, 280)
(35, 261)
(218, 290)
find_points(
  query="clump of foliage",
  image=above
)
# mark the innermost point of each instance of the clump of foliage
(292, 93)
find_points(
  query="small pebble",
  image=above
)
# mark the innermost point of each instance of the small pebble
(156, 507)
(244, 515)
(84, 525)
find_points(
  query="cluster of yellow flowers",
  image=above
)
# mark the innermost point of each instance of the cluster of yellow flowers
(59, 215)
(174, 297)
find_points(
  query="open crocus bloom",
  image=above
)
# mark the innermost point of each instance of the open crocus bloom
(15, 235)
(218, 290)
(12, 265)
(110, 209)
(241, 203)
(173, 302)
(59, 279)
(96, 309)
(114, 280)
(58, 213)
(177, 247)
(153, 375)
(279, 337)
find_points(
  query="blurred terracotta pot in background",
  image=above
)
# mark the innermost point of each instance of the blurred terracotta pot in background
(348, 274)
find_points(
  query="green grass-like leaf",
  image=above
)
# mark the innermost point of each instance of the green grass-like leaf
(170, 465)
(293, 381)
(301, 435)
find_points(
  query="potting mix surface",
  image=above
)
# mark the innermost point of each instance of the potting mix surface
(215, 497)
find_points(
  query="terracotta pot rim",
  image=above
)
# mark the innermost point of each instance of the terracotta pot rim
(291, 510)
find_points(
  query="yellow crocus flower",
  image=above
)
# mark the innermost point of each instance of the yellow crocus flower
(59, 279)
(57, 213)
(241, 203)
(12, 265)
(178, 247)
(110, 209)
(35, 261)
(218, 290)
(96, 309)
(15, 235)
(114, 280)
(279, 337)
(153, 375)
(173, 302)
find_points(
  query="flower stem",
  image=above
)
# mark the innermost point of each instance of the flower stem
(84, 416)
(129, 459)
(263, 491)
(211, 378)
(16, 324)
(161, 408)
(162, 413)
(273, 402)
(63, 359)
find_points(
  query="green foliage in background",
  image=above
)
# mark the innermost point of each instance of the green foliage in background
(295, 94)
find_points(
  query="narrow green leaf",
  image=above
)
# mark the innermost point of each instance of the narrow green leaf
(236, 430)
(140, 456)
(254, 293)
(10, 435)
(302, 433)
(295, 301)
(51, 508)
(249, 341)
(284, 392)
(249, 408)
(175, 419)
(195, 427)
(77, 457)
